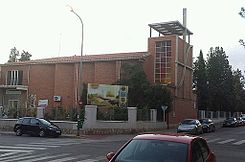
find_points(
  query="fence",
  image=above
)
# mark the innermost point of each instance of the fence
(217, 114)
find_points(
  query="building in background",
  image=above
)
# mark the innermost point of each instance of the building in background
(56, 80)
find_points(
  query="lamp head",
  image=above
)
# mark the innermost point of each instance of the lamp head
(71, 9)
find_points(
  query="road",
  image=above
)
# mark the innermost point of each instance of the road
(228, 144)
(36, 149)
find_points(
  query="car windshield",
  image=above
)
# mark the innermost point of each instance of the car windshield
(188, 122)
(205, 121)
(45, 122)
(152, 151)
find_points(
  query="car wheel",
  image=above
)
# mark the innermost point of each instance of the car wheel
(41, 133)
(18, 132)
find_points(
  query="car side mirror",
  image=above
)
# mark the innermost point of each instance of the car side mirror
(37, 123)
(110, 155)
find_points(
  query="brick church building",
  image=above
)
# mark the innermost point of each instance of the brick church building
(168, 61)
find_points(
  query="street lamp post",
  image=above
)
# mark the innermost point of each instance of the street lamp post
(80, 78)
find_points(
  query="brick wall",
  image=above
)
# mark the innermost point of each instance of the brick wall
(64, 85)
(105, 72)
(42, 82)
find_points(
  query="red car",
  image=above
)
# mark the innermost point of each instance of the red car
(163, 148)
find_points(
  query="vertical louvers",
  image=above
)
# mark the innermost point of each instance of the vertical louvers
(14, 77)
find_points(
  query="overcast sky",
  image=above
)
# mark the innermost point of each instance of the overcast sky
(47, 28)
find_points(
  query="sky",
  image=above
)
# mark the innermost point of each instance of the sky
(47, 28)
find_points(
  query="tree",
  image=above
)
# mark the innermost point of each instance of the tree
(220, 81)
(158, 95)
(141, 93)
(200, 82)
(14, 53)
(25, 56)
(242, 14)
(238, 86)
(135, 78)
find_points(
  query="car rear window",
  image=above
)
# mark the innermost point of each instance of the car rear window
(188, 122)
(153, 150)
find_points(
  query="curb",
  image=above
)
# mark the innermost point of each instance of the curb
(7, 133)
(99, 136)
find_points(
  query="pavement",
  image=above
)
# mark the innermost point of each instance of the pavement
(109, 137)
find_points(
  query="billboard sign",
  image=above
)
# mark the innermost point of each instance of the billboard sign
(42, 103)
(104, 95)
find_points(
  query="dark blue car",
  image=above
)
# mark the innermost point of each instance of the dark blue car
(36, 126)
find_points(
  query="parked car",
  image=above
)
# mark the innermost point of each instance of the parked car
(192, 126)
(163, 147)
(242, 116)
(240, 121)
(36, 126)
(230, 122)
(207, 125)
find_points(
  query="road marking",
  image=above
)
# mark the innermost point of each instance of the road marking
(27, 145)
(54, 144)
(7, 154)
(63, 159)
(7, 157)
(16, 147)
(21, 158)
(93, 160)
(226, 141)
(213, 140)
(8, 150)
(239, 142)
(43, 158)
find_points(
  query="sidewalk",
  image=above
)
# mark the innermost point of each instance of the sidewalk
(109, 137)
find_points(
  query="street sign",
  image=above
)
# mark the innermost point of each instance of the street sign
(164, 108)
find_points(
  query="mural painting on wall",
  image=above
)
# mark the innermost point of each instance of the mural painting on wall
(108, 96)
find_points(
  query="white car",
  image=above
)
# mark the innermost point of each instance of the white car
(192, 126)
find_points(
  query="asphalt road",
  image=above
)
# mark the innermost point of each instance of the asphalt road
(32, 149)
(228, 144)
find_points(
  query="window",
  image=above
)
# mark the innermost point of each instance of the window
(26, 121)
(34, 121)
(14, 77)
(153, 150)
(200, 151)
(163, 62)
(204, 148)
(196, 152)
